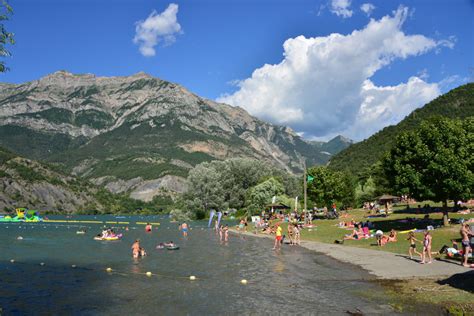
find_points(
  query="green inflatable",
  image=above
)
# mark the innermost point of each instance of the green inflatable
(22, 215)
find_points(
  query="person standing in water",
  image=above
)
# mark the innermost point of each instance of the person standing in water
(226, 232)
(221, 232)
(136, 248)
(216, 226)
(148, 227)
(184, 228)
(278, 233)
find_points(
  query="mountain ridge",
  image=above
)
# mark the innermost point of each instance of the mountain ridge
(138, 127)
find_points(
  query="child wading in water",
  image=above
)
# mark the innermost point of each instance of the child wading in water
(426, 247)
(184, 228)
(278, 235)
(412, 249)
(226, 232)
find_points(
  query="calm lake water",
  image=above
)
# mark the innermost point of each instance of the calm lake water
(291, 281)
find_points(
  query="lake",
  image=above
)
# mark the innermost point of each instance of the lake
(291, 281)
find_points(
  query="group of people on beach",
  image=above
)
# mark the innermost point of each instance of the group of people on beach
(362, 230)
(427, 242)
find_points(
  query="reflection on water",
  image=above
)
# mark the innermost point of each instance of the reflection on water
(292, 280)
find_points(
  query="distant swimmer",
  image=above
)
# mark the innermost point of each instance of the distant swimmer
(184, 228)
(148, 227)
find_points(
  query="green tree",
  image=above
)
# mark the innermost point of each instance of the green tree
(365, 192)
(433, 162)
(227, 184)
(5, 36)
(330, 186)
(205, 188)
(238, 176)
(262, 194)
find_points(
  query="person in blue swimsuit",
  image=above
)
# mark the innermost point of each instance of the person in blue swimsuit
(184, 228)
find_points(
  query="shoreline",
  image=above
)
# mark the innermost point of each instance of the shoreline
(383, 265)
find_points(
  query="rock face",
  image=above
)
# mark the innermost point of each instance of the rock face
(26, 183)
(137, 127)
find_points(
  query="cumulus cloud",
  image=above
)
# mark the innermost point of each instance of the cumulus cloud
(367, 8)
(341, 8)
(323, 85)
(382, 106)
(157, 28)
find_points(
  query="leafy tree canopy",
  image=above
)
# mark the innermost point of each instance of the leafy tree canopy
(330, 187)
(227, 184)
(5, 36)
(434, 162)
(262, 194)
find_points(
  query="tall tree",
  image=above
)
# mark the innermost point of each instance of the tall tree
(262, 194)
(433, 162)
(205, 190)
(329, 187)
(5, 36)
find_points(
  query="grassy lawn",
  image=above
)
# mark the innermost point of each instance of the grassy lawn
(327, 230)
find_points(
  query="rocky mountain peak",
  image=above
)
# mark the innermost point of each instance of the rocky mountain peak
(138, 127)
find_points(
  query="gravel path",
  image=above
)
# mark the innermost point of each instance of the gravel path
(382, 264)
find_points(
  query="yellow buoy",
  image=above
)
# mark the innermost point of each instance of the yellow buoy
(192, 278)
(148, 274)
(243, 281)
(12, 261)
(108, 269)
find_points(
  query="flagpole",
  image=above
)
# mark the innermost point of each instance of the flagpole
(305, 191)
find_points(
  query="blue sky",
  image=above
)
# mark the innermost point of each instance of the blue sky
(213, 48)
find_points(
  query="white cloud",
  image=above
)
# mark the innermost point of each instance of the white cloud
(367, 8)
(323, 85)
(383, 106)
(341, 8)
(162, 27)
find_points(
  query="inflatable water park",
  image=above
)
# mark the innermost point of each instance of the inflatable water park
(22, 215)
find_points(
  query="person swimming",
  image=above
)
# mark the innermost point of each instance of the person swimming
(169, 244)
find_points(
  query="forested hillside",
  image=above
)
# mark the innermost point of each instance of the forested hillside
(28, 183)
(457, 103)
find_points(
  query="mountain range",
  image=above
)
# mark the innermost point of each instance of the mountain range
(138, 134)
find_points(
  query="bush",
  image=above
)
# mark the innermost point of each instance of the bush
(200, 215)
